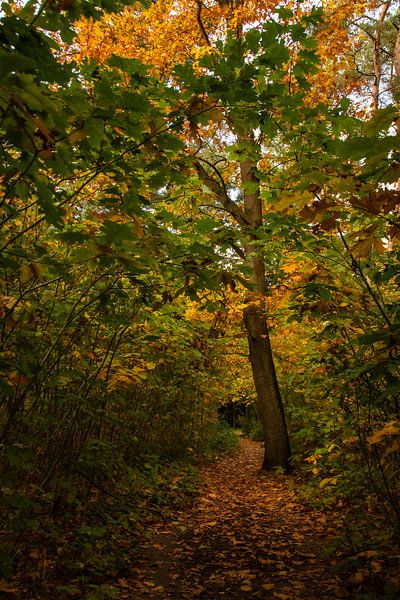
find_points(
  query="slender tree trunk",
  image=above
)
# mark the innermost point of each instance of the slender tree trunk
(250, 218)
(396, 55)
(396, 66)
(377, 56)
(269, 402)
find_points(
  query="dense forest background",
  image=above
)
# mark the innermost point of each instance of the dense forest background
(171, 173)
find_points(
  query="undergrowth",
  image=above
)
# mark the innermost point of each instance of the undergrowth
(78, 539)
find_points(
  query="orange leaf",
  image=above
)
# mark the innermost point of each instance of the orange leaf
(267, 586)
(390, 428)
(7, 588)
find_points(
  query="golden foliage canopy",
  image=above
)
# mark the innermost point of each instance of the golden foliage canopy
(170, 32)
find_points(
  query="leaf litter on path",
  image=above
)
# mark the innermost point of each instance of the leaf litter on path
(246, 536)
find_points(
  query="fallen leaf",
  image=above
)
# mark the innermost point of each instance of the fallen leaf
(376, 566)
(268, 586)
(8, 588)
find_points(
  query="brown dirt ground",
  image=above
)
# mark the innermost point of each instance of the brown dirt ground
(247, 535)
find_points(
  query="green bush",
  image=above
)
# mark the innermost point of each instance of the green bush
(221, 438)
(253, 430)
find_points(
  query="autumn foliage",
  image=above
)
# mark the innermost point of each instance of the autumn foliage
(134, 138)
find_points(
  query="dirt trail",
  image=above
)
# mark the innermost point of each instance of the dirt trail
(246, 536)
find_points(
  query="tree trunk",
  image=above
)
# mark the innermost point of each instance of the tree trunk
(396, 55)
(377, 56)
(269, 402)
(250, 218)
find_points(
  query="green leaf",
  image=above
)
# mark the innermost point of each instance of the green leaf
(115, 233)
(94, 128)
(324, 292)
(18, 63)
(393, 389)
(133, 66)
(73, 237)
(46, 201)
(207, 225)
(170, 142)
(6, 388)
(285, 13)
(370, 338)
(136, 102)
(253, 38)
(6, 565)
(275, 54)
(381, 120)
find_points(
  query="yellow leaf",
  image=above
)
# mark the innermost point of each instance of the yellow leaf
(298, 585)
(390, 428)
(31, 271)
(8, 301)
(328, 481)
(362, 248)
(123, 379)
(138, 227)
(290, 268)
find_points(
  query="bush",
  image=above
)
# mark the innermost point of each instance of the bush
(221, 439)
(253, 430)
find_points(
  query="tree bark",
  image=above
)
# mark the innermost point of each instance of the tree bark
(396, 55)
(269, 402)
(377, 56)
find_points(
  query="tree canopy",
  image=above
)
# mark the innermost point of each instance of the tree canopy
(199, 207)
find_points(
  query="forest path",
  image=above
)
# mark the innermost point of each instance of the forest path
(245, 536)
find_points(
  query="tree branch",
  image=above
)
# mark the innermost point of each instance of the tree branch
(200, 22)
(220, 191)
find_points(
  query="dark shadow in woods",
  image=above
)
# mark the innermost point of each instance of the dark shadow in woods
(237, 414)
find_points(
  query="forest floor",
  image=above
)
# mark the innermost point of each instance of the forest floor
(247, 535)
